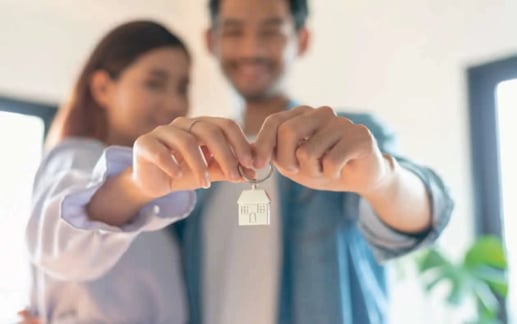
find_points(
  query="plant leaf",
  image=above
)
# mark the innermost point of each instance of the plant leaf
(496, 279)
(487, 300)
(487, 250)
(457, 280)
(431, 259)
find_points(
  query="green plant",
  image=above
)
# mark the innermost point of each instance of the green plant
(481, 275)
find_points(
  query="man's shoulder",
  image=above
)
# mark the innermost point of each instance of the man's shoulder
(359, 117)
(378, 128)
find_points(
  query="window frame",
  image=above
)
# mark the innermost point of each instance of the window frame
(45, 111)
(482, 82)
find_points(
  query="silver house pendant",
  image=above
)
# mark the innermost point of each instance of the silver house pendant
(254, 204)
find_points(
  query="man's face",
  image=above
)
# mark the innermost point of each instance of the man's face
(255, 42)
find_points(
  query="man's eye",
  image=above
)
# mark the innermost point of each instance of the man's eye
(232, 33)
(270, 33)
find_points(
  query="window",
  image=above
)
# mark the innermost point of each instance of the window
(506, 98)
(493, 114)
(22, 129)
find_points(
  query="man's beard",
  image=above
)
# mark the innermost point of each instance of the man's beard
(258, 95)
(231, 67)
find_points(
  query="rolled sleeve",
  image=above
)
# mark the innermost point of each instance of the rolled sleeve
(389, 243)
(154, 216)
(59, 231)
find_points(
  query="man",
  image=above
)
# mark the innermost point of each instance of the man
(342, 199)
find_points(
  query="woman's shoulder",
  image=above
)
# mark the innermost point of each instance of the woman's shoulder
(78, 144)
(73, 153)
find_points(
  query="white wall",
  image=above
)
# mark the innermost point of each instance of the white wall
(402, 59)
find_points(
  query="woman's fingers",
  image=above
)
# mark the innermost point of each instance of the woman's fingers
(222, 139)
(238, 141)
(185, 144)
(192, 153)
(154, 151)
(215, 140)
(27, 318)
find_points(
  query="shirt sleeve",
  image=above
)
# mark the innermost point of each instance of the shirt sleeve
(63, 241)
(388, 243)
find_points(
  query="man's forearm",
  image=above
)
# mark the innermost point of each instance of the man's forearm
(402, 201)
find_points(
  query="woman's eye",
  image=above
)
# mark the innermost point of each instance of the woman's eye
(183, 90)
(154, 84)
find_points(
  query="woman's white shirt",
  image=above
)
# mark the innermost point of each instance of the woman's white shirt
(90, 272)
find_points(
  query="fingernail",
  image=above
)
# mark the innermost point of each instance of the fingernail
(205, 181)
(235, 175)
(247, 161)
(259, 163)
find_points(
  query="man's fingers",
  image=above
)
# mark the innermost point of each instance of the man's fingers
(298, 130)
(309, 155)
(267, 138)
(357, 141)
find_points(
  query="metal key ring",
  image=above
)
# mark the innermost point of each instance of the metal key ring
(256, 181)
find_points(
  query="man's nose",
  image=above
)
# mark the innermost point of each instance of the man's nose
(251, 45)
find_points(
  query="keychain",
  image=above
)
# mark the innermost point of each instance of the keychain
(254, 204)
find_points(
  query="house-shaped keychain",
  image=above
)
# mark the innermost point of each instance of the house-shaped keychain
(254, 207)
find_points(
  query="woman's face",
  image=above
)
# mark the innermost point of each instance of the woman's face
(152, 91)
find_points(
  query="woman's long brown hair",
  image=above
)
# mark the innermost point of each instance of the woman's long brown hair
(82, 116)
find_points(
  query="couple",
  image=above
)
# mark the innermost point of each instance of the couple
(119, 232)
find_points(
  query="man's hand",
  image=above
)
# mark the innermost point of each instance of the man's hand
(320, 150)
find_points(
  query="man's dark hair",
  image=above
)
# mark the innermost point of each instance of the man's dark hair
(299, 11)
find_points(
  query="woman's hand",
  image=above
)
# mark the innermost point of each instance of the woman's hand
(27, 318)
(189, 153)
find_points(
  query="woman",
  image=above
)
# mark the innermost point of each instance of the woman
(95, 234)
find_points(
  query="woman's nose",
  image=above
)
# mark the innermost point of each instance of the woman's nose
(176, 105)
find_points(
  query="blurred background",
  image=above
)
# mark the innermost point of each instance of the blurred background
(441, 73)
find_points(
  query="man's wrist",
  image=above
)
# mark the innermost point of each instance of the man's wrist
(387, 183)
